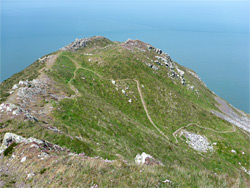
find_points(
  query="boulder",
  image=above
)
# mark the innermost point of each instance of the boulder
(146, 159)
(30, 176)
(10, 138)
(23, 159)
(155, 67)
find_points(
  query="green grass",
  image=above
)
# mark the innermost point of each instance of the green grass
(109, 126)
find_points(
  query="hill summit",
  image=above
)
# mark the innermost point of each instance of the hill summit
(99, 113)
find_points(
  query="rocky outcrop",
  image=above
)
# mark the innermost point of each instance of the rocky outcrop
(161, 59)
(28, 89)
(157, 50)
(10, 138)
(80, 43)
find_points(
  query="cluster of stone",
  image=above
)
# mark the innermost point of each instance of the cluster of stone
(181, 75)
(27, 89)
(78, 43)
(157, 50)
(10, 138)
(14, 110)
(165, 59)
(175, 72)
(43, 59)
(152, 66)
(197, 142)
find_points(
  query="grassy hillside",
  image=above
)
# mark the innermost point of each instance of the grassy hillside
(103, 115)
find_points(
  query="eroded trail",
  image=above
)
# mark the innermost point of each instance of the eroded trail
(74, 76)
(195, 124)
(146, 110)
(138, 88)
(143, 103)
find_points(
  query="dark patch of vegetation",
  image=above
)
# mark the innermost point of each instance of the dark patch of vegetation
(10, 149)
(43, 170)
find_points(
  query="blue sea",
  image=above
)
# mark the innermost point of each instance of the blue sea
(209, 36)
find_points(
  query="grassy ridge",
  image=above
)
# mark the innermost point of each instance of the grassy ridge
(110, 126)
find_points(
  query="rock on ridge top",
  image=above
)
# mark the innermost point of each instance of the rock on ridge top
(80, 43)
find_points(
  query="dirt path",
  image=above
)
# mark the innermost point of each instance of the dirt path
(138, 88)
(70, 81)
(143, 103)
(220, 132)
(146, 110)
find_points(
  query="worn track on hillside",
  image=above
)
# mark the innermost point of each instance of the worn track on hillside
(128, 79)
(74, 76)
(195, 124)
(142, 101)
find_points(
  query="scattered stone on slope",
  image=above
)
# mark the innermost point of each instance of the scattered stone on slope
(162, 59)
(46, 58)
(13, 110)
(31, 99)
(245, 170)
(146, 159)
(78, 43)
(197, 142)
(29, 89)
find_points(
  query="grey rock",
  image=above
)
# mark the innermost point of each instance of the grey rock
(154, 67)
(197, 142)
(146, 159)
(23, 159)
(30, 176)
(10, 138)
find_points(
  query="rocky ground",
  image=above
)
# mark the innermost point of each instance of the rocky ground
(232, 115)
(29, 160)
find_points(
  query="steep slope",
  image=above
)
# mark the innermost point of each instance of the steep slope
(115, 100)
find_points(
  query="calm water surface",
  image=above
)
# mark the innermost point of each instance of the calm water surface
(210, 37)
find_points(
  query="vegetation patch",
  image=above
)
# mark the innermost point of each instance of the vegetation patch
(10, 149)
